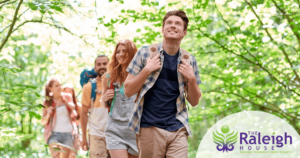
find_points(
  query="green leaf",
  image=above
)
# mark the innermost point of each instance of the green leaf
(138, 30)
(247, 33)
(4, 110)
(205, 3)
(43, 11)
(206, 22)
(32, 6)
(33, 114)
(10, 68)
(57, 8)
(107, 24)
(27, 86)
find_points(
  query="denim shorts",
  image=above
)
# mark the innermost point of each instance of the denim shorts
(63, 138)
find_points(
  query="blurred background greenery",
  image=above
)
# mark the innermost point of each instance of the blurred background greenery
(248, 55)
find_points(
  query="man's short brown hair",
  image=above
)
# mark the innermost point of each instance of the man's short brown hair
(178, 13)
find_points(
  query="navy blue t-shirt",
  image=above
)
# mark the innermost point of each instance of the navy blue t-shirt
(160, 101)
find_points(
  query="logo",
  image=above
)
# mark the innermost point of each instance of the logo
(250, 134)
(226, 140)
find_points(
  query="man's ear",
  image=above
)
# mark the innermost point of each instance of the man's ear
(184, 32)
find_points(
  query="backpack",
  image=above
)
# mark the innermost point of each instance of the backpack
(94, 88)
(86, 75)
(153, 49)
(94, 91)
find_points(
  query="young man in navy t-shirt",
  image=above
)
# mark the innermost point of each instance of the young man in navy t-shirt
(160, 117)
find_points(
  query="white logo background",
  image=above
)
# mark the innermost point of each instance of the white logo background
(252, 121)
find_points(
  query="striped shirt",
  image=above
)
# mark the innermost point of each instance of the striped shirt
(136, 65)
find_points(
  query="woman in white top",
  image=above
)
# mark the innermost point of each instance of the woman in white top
(68, 88)
(57, 113)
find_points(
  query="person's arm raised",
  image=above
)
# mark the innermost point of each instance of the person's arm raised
(107, 94)
(134, 83)
(194, 92)
(67, 99)
(47, 112)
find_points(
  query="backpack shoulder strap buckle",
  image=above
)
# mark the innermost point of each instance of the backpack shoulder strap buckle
(153, 50)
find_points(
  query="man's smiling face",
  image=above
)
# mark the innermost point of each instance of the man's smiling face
(173, 28)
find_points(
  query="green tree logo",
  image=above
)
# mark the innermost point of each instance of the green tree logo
(225, 141)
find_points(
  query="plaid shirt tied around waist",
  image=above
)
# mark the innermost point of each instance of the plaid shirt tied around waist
(136, 65)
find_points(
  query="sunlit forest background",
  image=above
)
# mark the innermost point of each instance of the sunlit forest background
(248, 54)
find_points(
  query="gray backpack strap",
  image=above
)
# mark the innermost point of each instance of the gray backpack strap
(153, 49)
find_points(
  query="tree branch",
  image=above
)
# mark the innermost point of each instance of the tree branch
(27, 21)
(5, 28)
(12, 25)
(96, 9)
(273, 41)
(227, 23)
(289, 20)
(248, 60)
(6, 19)
(17, 19)
(7, 3)
(255, 95)
(60, 27)
(279, 111)
(4, 1)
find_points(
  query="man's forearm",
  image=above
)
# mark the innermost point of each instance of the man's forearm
(194, 92)
(83, 121)
(133, 85)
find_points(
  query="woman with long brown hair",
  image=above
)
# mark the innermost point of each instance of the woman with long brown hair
(57, 113)
(68, 88)
(121, 141)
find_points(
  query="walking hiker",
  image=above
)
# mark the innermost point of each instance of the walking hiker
(97, 118)
(68, 88)
(121, 141)
(57, 119)
(163, 75)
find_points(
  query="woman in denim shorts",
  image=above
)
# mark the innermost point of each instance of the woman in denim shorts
(121, 141)
(69, 88)
(57, 113)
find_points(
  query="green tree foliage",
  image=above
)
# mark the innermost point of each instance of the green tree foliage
(247, 51)
(24, 67)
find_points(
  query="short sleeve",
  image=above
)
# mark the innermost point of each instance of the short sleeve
(86, 95)
(196, 72)
(137, 63)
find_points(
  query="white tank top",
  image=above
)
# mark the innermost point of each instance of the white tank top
(63, 123)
